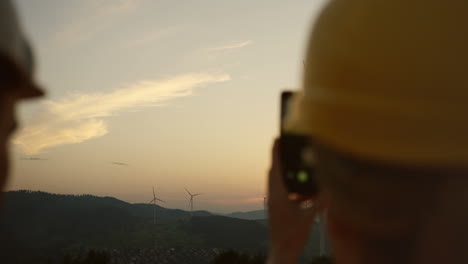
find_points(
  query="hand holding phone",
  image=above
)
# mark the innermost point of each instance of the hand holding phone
(289, 222)
(297, 157)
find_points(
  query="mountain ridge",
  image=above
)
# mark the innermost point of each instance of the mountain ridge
(249, 215)
(35, 222)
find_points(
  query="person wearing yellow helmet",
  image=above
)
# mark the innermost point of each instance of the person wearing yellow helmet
(385, 100)
(16, 78)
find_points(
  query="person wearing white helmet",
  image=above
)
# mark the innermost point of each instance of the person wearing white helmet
(16, 78)
(385, 99)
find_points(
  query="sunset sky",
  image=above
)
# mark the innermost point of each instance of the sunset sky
(184, 92)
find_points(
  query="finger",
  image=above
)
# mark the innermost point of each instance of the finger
(308, 216)
(276, 153)
(275, 181)
(305, 198)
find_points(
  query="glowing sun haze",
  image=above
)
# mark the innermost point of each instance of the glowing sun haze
(185, 94)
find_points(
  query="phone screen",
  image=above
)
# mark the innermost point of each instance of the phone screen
(297, 157)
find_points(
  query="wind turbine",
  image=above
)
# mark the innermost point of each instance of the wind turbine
(155, 199)
(191, 200)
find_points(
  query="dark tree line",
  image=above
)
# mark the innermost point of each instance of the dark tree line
(234, 257)
(93, 257)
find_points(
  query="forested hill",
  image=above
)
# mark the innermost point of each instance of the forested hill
(51, 223)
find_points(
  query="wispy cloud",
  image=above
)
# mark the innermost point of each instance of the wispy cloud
(34, 159)
(151, 37)
(232, 46)
(80, 117)
(119, 163)
(91, 18)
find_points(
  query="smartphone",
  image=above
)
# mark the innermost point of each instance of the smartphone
(297, 157)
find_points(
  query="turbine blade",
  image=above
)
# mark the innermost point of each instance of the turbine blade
(160, 200)
(188, 192)
(151, 201)
(154, 195)
(197, 194)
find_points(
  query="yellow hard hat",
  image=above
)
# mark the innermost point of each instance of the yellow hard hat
(387, 80)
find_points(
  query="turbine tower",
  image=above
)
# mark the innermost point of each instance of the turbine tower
(154, 201)
(322, 235)
(191, 200)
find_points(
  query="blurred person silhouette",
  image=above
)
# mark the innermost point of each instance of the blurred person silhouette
(16, 78)
(385, 101)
